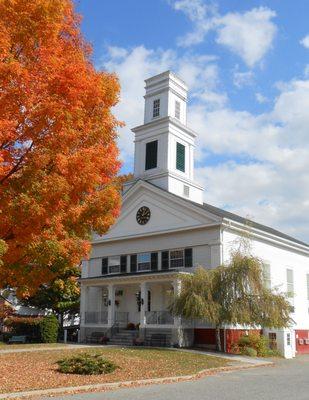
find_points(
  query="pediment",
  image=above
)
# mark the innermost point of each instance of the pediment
(168, 213)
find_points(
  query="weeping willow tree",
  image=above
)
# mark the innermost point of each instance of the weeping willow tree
(230, 295)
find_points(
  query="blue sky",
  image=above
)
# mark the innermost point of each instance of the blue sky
(247, 66)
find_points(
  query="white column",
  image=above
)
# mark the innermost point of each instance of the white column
(177, 334)
(177, 289)
(83, 302)
(111, 304)
(143, 304)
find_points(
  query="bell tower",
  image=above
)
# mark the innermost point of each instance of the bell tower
(164, 145)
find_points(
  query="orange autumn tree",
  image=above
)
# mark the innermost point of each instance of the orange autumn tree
(58, 156)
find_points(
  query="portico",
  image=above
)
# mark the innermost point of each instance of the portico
(133, 302)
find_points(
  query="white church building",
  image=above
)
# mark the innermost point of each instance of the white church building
(165, 230)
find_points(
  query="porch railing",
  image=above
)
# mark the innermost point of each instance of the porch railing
(96, 317)
(159, 318)
(121, 318)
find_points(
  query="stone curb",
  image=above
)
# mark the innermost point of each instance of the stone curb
(123, 384)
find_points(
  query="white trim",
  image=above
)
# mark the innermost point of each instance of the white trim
(155, 233)
(133, 278)
(266, 236)
(163, 120)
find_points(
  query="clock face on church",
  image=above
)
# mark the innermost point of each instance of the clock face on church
(143, 215)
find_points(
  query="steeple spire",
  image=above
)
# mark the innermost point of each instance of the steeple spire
(164, 145)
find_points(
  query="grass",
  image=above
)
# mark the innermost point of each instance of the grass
(38, 370)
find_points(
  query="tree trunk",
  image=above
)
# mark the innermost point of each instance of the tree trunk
(218, 339)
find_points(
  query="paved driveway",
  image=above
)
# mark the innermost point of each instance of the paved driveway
(287, 380)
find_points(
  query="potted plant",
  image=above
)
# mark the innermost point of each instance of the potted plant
(130, 326)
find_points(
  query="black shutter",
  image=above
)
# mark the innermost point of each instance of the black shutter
(104, 266)
(165, 260)
(149, 300)
(180, 157)
(123, 264)
(154, 261)
(133, 262)
(151, 155)
(188, 258)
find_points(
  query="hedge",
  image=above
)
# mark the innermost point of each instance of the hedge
(37, 329)
(49, 327)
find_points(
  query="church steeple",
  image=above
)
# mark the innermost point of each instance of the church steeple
(164, 145)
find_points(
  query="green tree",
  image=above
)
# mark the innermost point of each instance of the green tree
(230, 295)
(61, 295)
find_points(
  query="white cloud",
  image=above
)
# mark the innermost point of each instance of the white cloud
(201, 16)
(260, 98)
(267, 176)
(249, 35)
(241, 79)
(305, 41)
(306, 71)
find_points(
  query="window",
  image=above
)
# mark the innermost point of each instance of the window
(177, 109)
(180, 157)
(288, 339)
(266, 275)
(144, 262)
(114, 265)
(290, 282)
(272, 340)
(176, 258)
(104, 270)
(308, 286)
(151, 155)
(156, 108)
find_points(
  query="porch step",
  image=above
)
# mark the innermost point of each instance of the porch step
(124, 338)
(154, 337)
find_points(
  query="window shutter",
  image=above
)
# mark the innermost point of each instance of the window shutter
(180, 157)
(133, 262)
(123, 264)
(149, 300)
(154, 261)
(151, 155)
(188, 258)
(104, 266)
(165, 259)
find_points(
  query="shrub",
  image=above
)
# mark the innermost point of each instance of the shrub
(49, 329)
(86, 364)
(257, 342)
(28, 326)
(249, 351)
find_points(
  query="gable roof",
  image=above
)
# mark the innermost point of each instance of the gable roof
(219, 212)
(237, 218)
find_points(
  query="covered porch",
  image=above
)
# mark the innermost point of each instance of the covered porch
(127, 302)
(138, 303)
